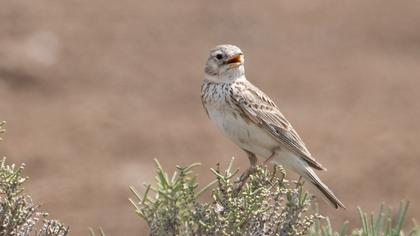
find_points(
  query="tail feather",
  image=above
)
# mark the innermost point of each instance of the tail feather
(328, 194)
(291, 161)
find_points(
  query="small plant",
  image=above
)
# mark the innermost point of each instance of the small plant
(267, 205)
(172, 210)
(19, 215)
(380, 225)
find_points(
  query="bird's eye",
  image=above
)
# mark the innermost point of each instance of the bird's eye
(219, 56)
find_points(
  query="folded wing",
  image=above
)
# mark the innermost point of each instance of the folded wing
(261, 110)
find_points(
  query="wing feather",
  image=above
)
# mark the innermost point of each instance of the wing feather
(261, 110)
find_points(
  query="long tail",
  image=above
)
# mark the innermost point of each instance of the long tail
(314, 179)
(291, 161)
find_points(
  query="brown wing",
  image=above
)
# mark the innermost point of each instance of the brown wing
(259, 108)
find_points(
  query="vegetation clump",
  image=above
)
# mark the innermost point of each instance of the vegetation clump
(268, 204)
(19, 215)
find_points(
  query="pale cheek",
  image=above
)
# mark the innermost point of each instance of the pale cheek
(211, 69)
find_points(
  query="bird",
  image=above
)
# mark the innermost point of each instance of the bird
(248, 117)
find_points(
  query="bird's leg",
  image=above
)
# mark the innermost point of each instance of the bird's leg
(253, 161)
(269, 159)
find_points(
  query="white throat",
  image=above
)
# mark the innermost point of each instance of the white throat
(227, 77)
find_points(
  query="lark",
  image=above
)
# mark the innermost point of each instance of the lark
(251, 120)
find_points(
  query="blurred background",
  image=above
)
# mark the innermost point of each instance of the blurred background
(94, 90)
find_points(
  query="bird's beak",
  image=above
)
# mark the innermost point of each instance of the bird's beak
(235, 59)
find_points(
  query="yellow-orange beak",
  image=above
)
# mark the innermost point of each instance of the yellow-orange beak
(235, 59)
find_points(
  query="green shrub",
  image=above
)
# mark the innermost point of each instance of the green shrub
(381, 224)
(19, 215)
(268, 204)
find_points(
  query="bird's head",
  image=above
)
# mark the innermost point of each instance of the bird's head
(225, 64)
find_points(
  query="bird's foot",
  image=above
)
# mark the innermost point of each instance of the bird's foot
(244, 177)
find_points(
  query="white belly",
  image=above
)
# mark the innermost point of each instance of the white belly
(245, 134)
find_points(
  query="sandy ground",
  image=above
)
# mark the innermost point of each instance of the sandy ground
(94, 90)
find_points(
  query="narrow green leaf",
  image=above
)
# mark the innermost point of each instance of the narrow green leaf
(344, 229)
(217, 174)
(402, 212)
(192, 166)
(229, 169)
(205, 188)
(379, 221)
(363, 220)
